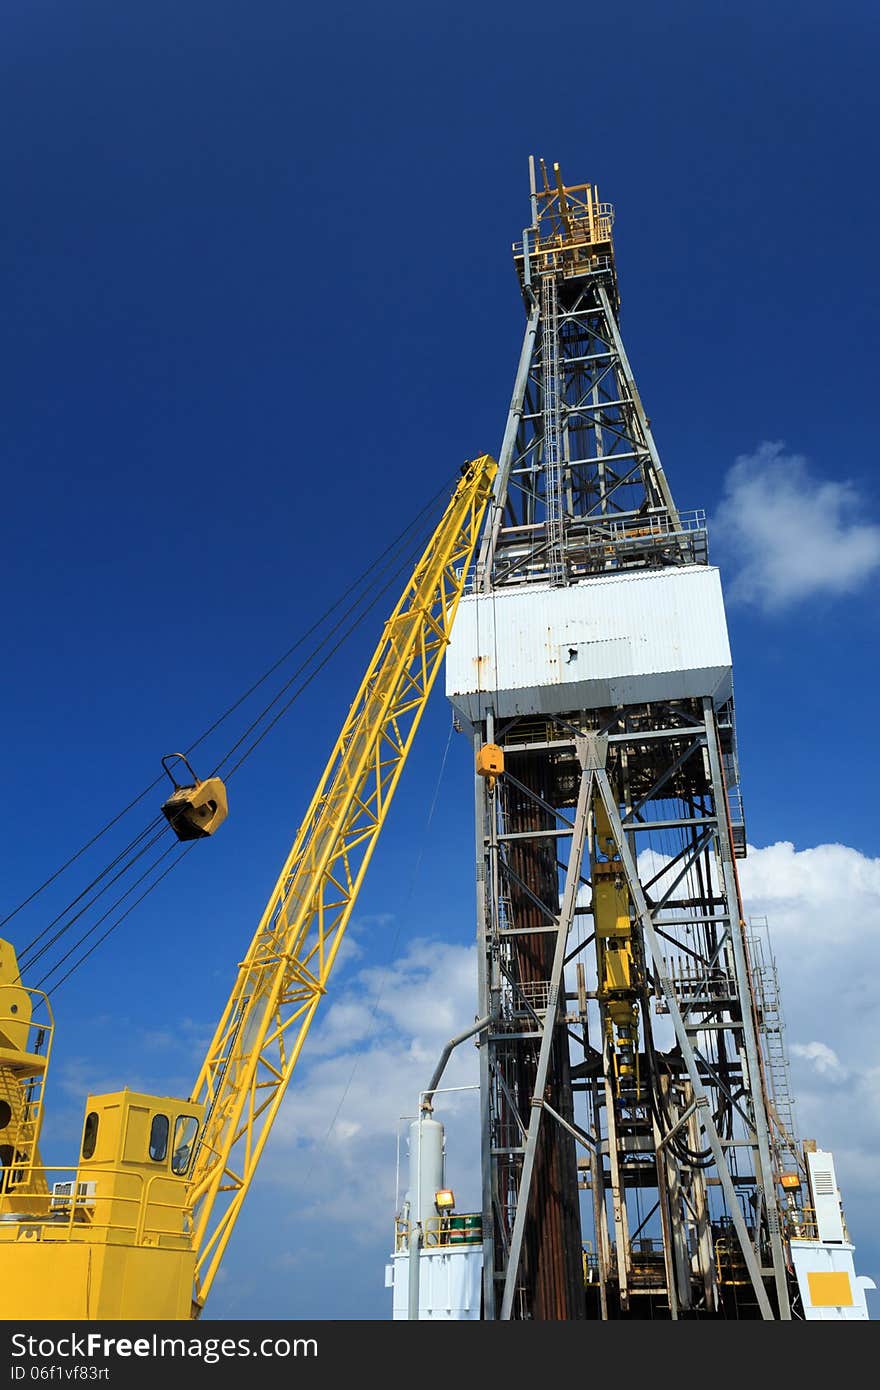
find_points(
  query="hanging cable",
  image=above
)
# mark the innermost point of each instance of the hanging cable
(364, 575)
(30, 961)
(122, 917)
(73, 858)
(94, 927)
(24, 954)
(407, 562)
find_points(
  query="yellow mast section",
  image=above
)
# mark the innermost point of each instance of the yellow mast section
(284, 975)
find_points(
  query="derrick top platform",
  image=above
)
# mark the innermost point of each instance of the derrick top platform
(570, 232)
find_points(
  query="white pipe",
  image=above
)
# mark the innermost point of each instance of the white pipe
(428, 1096)
(415, 1241)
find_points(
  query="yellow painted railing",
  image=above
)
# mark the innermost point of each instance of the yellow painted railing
(86, 1215)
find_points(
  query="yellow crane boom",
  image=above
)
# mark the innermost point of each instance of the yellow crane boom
(141, 1226)
(284, 976)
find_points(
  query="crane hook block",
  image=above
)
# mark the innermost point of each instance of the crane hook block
(490, 762)
(194, 809)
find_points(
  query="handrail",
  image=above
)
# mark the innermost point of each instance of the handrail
(439, 1232)
(79, 1207)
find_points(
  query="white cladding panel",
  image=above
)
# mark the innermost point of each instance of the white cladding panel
(812, 1257)
(450, 1285)
(826, 1197)
(609, 640)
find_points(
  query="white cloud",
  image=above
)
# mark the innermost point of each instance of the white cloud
(824, 1059)
(787, 535)
(822, 907)
(334, 1145)
(823, 910)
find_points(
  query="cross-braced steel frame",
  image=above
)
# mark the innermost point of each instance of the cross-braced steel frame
(579, 473)
(627, 1161)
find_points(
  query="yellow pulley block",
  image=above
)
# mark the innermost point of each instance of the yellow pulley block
(490, 762)
(195, 809)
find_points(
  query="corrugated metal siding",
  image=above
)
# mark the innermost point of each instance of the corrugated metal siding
(611, 639)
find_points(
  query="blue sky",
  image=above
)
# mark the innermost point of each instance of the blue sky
(258, 303)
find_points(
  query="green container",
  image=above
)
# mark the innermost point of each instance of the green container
(457, 1233)
(473, 1229)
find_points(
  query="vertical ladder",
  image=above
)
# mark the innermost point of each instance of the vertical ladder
(24, 1097)
(772, 1023)
(552, 461)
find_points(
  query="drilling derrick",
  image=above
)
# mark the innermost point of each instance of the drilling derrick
(629, 1167)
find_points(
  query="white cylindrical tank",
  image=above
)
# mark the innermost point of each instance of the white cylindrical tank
(426, 1138)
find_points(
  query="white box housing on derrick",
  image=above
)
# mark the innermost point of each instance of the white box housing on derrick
(613, 639)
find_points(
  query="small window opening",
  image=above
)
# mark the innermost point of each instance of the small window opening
(185, 1130)
(159, 1138)
(90, 1134)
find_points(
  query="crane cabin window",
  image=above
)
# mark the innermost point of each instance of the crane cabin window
(185, 1129)
(159, 1138)
(90, 1134)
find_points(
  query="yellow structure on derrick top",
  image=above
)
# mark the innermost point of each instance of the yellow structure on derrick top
(138, 1227)
(571, 228)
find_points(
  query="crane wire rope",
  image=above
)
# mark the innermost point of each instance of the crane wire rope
(407, 562)
(29, 958)
(287, 706)
(173, 865)
(355, 584)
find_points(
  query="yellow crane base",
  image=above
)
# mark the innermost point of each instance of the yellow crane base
(111, 1238)
(44, 1280)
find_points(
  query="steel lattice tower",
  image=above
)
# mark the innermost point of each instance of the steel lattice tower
(628, 1161)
